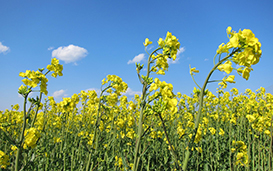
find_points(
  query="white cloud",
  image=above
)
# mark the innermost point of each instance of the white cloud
(150, 47)
(50, 48)
(170, 61)
(181, 50)
(130, 92)
(3, 49)
(137, 58)
(59, 93)
(69, 53)
(206, 59)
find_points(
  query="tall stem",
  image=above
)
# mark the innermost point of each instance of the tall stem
(142, 108)
(18, 154)
(38, 105)
(197, 121)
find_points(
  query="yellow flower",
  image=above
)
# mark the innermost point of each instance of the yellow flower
(4, 160)
(234, 41)
(234, 91)
(193, 70)
(229, 30)
(222, 49)
(222, 85)
(13, 147)
(222, 132)
(57, 140)
(267, 132)
(31, 137)
(212, 130)
(55, 67)
(230, 79)
(160, 42)
(226, 67)
(199, 149)
(245, 72)
(16, 107)
(240, 156)
(160, 72)
(147, 42)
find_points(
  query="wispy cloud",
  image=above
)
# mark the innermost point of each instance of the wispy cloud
(150, 47)
(137, 58)
(206, 59)
(181, 50)
(130, 92)
(170, 61)
(59, 94)
(69, 53)
(50, 48)
(4, 49)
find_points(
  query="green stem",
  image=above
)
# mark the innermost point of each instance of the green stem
(214, 58)
(271, 145)
(18, 154)
(38, 105)
(194, 80)
(172, 150)
(196, 124)
(140, 129)
(143, 105)
(97, 117)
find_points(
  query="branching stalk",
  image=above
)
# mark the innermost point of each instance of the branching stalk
(197, 120)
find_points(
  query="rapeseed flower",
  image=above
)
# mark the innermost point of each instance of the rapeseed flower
(193, 70)
(4, 160)
(31, 137)
(226, 67)
(147, 42)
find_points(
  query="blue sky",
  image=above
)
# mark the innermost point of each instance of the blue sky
(95, 38)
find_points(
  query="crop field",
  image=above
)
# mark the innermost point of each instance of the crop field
(157, 130)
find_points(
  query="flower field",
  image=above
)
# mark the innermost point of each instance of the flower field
(159, 130)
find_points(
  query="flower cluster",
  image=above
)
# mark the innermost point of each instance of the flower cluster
(170, 48)
(68, 104)
(115, 83)
(4, 160)
(226, 79)
(251, 47)
(241, 149)
(170, 45)
(33, 78)
(55, 67)
(31, 137)
(246, 48)
(165, 92)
